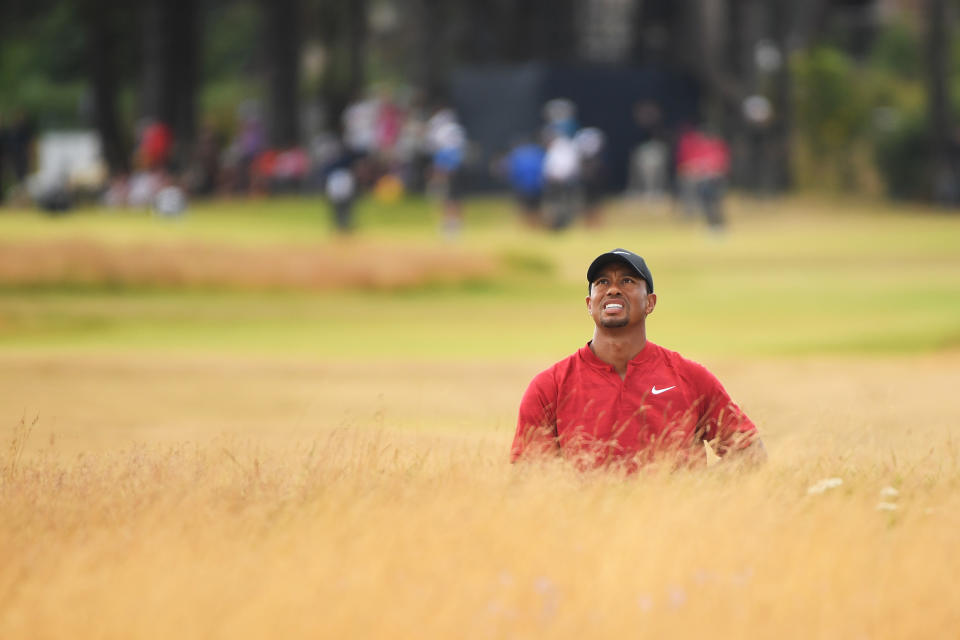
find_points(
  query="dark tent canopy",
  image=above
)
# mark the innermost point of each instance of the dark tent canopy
(499, 104)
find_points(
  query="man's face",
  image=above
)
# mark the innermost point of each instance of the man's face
(618, 297)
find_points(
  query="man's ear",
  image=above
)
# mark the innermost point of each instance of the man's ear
(651, 302)
(588, 304)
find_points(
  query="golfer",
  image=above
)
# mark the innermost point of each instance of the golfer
(623, 402)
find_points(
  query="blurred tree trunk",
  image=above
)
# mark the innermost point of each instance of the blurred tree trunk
(514, 32)
(942, 142)
(710, 61)
(281, 38)
(343, 31)
(356, 44)
(154, 84)
(551, 29)
(807, 20)
(170, 68)
(101, 20)
(782, 99)
(736, 63)
(721, 44)
(488, 32)
(430, 67)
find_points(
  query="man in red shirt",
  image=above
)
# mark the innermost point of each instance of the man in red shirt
(624, 402)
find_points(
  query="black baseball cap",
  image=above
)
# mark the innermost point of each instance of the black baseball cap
(621, 255)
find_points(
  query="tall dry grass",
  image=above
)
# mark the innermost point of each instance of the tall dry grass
(374, 532)
(271, 498)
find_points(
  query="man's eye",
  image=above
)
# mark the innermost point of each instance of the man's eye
(628, 280)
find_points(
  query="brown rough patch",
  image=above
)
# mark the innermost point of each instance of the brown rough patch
(86, 262)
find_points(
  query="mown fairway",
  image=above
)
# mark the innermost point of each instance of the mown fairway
(236, 425)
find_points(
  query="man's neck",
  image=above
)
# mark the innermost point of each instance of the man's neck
(618, 348)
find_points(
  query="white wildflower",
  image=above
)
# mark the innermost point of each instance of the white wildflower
(677, 596)
(823, 485)
(645, 603)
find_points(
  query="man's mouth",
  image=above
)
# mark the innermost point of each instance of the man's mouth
(613, 306)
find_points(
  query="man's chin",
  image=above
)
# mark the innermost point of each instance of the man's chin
(614, 323)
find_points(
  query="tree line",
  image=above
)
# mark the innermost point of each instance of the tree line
(742, 52)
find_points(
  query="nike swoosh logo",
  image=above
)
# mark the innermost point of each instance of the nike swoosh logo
(657, 392)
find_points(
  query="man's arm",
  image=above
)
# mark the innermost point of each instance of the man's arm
(536, 434)
(732, 435)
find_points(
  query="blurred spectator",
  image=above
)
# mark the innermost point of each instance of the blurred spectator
(340, 185)
(448, 140)
(437, 124)
(142, 188)
(650, 161)
(560, 116)
(20, 140)
(590, 143)
(229, 178)
(236, 162)
(277, 171)
(649, 169)
(561, 173)
(151, 162)
(523, 170)
(170, 200)
(412, 150)
(390, 165)
(703, 162)
(3, 157)
(118, 191)
(946, 175)
(289, 170)
(325, 150)
(203, 168)
(156, 146)
(388, 188)
(261, 171)
(341, 191)
(360, 126)
(389, 123)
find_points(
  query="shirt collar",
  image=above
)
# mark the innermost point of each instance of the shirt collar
(646, 354)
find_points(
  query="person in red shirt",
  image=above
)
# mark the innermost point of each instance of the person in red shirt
(156, 146)
(623, 402)
(703, 162)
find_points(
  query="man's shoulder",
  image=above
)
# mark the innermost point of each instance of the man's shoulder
(560, 370)
(561, 367)
(682, 363)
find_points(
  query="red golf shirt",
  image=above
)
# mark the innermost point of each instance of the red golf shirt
(665, 406)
